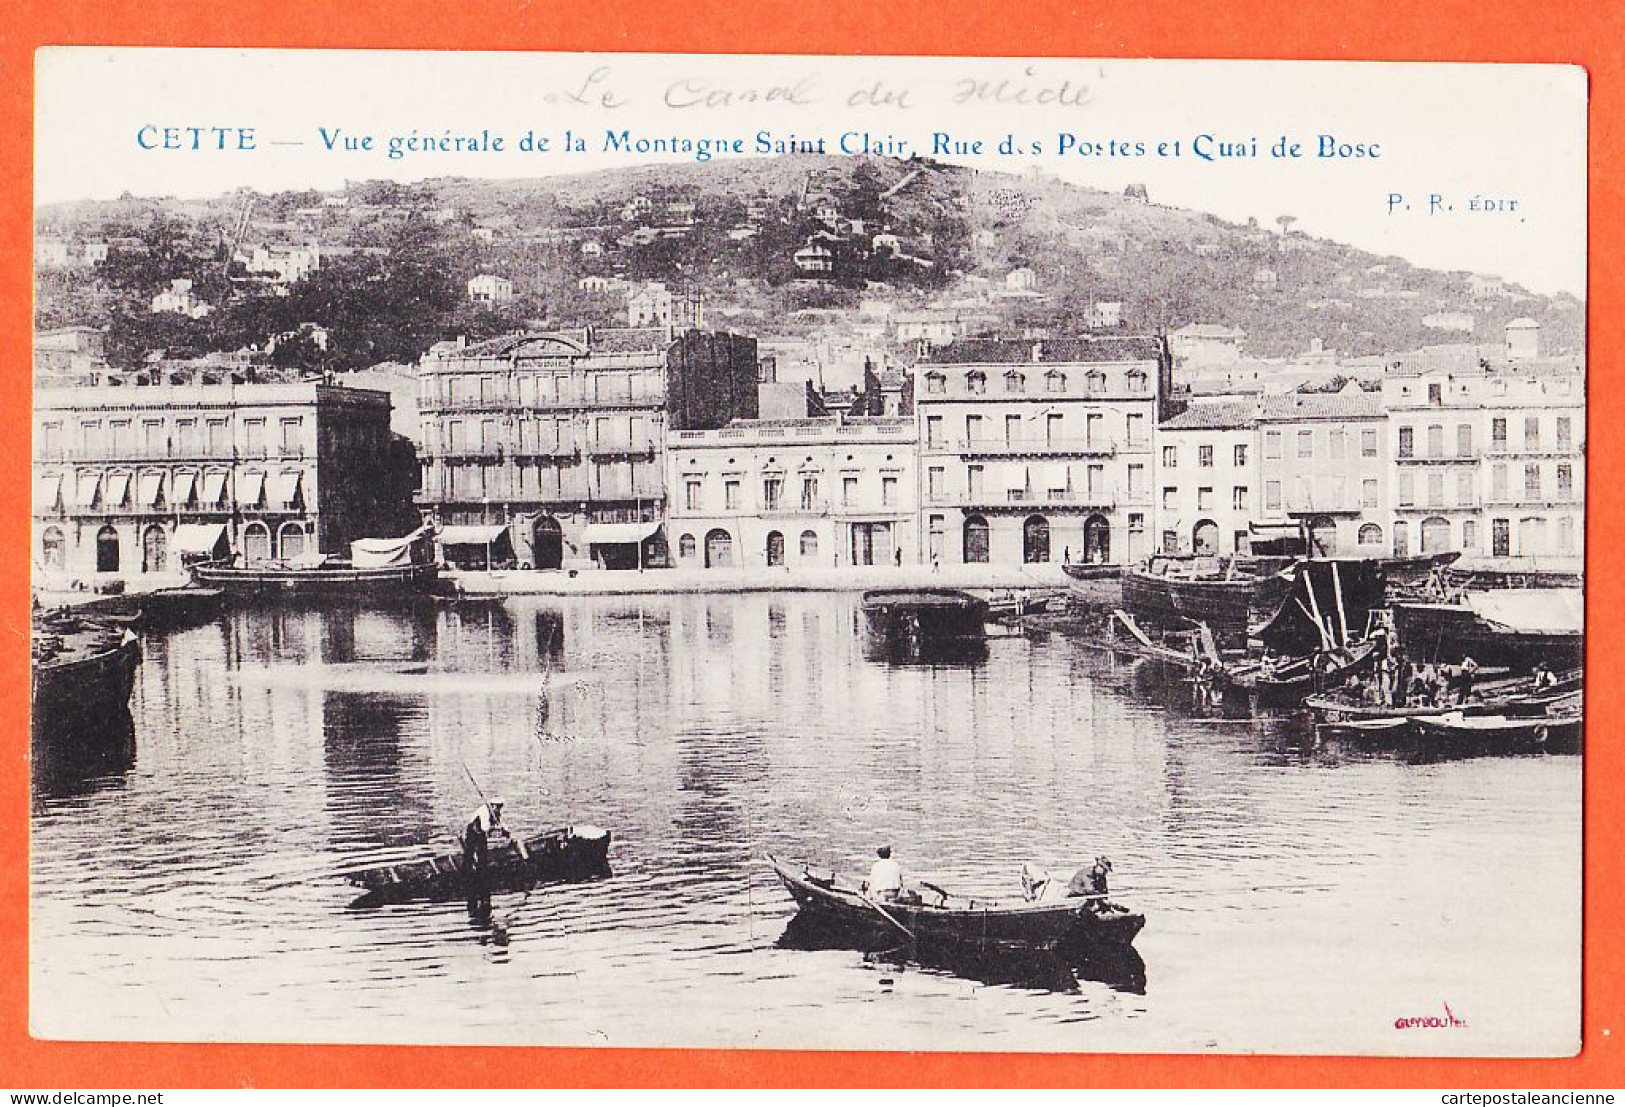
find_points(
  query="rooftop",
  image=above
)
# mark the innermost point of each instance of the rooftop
(1014, 351)
(1230, 416)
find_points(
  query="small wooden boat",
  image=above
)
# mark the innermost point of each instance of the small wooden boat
(331, 578)
(1016, 605)
(1500, 732)
(1386, 728)
(83, 672)
(1516, 697)
(921, 621)
(572, 853)
(1089, 570)
(958, 920)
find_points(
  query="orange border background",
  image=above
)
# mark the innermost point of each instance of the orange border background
(1446, 30)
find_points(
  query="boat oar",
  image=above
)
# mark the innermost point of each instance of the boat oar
(887, 915)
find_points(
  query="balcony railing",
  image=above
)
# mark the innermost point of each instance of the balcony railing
(133, 454)
(1031, 447)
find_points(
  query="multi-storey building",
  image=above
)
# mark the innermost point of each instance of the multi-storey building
(1488, 450)
(561, 437)
(813, 492)
(131, 478)
(1031, 450)
(1207, 481)
(1324, 469)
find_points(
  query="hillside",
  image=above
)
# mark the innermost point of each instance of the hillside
(395, 260)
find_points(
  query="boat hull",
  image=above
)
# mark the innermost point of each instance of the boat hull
(71, 694)
(272, 581)
(1044, 926)
(572, 853)
(1450, 632)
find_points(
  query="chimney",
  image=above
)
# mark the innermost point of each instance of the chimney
(1038, 351)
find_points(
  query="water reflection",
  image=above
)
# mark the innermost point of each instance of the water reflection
(703, 731)
(1051, 970)
(92, 756)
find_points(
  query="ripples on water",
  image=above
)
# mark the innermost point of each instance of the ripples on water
(1299, 897)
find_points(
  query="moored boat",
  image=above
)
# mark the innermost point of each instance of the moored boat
(1518, 628)
(83, 669)
(1456, 729)
(1016, 605)
(1226, 595)
(917, 620)
(958, 920)
(571, 853)
(376, 566)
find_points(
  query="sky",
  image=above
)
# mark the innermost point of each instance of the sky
(1450, 166)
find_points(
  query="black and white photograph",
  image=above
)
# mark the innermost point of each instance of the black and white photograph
(650, 550)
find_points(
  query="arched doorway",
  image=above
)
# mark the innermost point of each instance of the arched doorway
(976, 540)
(1035, 540)
(53, 548)
(1205, 538)
(1402, 538)
(107, 550)
(687, 547)
(256, 543)
(547, 543)
(1435, 534)
(290, 541)
(1370, 535)
(719, 549)
(1097, 540)
(154, 550)
(1322, 537)
(775, 548)
(809, 544)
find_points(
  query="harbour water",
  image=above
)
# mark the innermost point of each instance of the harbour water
(1300, 897)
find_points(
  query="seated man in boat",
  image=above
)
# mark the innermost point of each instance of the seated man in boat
(1544, 677)
(1090, 881)
(885, 877)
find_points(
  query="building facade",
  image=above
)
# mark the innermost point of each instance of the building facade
(128, 478)
(820, 492)
(1488, 451)
(1324, 470)
(561, 437)
(1034, 450)
(1207, 480)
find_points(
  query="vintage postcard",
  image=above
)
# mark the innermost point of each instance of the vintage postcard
(1051, 555)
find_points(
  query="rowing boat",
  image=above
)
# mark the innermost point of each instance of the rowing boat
(572, 853)
(959, 920)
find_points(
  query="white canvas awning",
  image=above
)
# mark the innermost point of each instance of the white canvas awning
(252, 493)
(152, 489)
(183, 489)
(617, 534)
(285, 489)
(472, 535)
(118, 489)
(214, 488)
(199, 538)
(90, 485)
(48, 492)
(1558, 610)
(378, 553)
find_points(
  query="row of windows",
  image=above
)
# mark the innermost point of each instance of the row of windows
(609, 480)
(157, 436)
(1204, 456)
(1239, 500)
(558, 435)
(1045, 428)
(1466, 488)
(1015, 381)
(1562, 439)
(809, 493)
(535, 389)
(1561, 386)
(292, 539)
(1324, 494)
(719, 548)
(1337, 443)
(1058, 483)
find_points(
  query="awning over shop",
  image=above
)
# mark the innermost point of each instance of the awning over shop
(617, 534)
(252, 493)
(48, 492)
(285, 489)
(200, 538)
(472, 535)
(183, 489)
(118, 489)
(214, 489)
(152, 489)
(90, 485)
